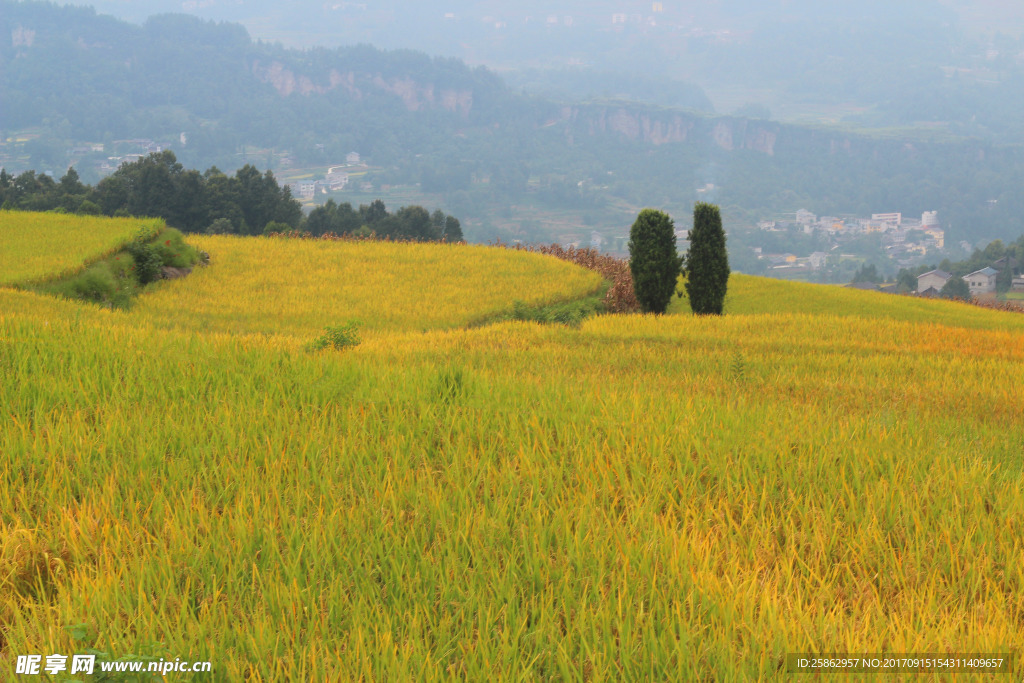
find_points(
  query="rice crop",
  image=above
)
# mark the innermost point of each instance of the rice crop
(45, 246)
(299, 287)
(638, 498)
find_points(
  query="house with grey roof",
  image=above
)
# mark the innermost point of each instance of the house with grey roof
(933, 279)
(982, 281)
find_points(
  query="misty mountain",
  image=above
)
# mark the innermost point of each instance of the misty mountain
(70, 76)
(869, 63)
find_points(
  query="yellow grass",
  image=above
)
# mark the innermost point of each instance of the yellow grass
(298, 287)
(642, 498)
(41, 246)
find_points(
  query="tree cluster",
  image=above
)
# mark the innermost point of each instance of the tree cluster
(408, 223)
(247, 203)
(656, 266)
(160, 187)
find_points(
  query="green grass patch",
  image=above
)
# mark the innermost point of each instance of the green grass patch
(115, 281)
(337, 338)
(571, 313)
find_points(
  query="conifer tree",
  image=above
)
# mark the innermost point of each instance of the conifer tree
(653, 260)
(707, 262)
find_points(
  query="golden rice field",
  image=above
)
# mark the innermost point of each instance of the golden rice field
(641, 498)
(299, 287)
(36, 246)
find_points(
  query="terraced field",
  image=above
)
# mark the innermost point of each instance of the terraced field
(36, 246)
(297, 287)
(639, 498)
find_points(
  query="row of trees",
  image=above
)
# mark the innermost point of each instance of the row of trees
(656, 265)
(160, 187)
(247, 203)
(409, 222)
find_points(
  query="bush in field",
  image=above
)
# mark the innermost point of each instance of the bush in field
(337, 338)
(653, 260)
(707, 262)
(96, 284)
(173, 251)
(147, 261)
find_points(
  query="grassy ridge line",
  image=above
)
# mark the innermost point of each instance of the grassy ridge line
(41, 247)
(748, 294)
(613, 499)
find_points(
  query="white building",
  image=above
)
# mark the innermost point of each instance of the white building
(895, 218)
(933, 279)
(805, 217)
(982, 281)
(304, 189)
(336, 179)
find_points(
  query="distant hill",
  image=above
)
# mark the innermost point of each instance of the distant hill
(209, 92)
(874, 62)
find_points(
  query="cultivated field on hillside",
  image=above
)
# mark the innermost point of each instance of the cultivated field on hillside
(641, 498)
(298, 287)
(35, 246)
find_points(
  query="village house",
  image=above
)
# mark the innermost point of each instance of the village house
(982, 281)
(933, 279)
(304, 189)
(937, 236)
(336, 179)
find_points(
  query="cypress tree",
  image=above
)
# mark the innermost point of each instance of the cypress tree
(653, 260)
(707, 262)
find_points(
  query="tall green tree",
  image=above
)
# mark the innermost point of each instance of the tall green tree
(707, 261)
(653, 260)
(452, 229)
(955, 288)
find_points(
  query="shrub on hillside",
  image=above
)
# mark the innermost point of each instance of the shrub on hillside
(173, 252)
(955, 288)
(96, 284)
(101, 283)
(337, 338)
(147, 261)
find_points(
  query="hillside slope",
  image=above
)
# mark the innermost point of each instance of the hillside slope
(639, 498)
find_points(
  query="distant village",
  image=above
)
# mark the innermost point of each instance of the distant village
(905, 240)
(980, 283)
(337, 178)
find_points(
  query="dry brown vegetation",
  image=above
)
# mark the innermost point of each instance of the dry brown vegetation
(620, 297)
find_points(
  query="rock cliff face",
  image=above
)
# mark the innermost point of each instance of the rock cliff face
(658, 127)
(415, 96)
